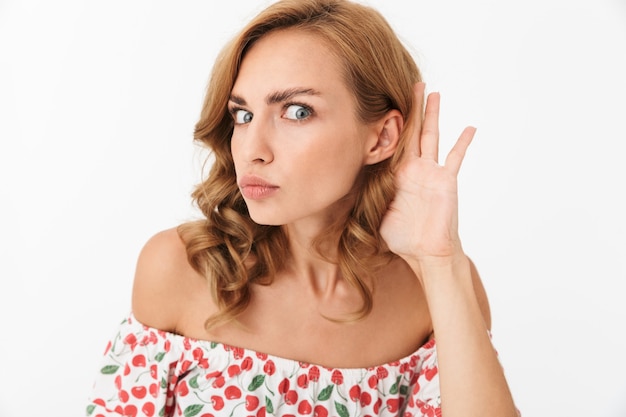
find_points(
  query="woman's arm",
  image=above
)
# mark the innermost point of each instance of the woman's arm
(421, 226)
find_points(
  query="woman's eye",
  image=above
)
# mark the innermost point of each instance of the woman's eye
(297, 112)
(242, 116)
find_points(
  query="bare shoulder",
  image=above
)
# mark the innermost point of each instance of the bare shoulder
(163, 281)
(481, 294)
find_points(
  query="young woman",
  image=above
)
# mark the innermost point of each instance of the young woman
(327, 277)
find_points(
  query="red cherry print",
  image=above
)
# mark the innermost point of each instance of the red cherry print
(218, 402)
(234, 370)
(99, 401)
(139, 392)
(372, 381)
(246, 364)
(261, 412)
(108, 347)
(404, 367)
(238, 353)
(154, 390)
(314, 373)
(262, 356)
(153, 337)
(148, 409)
(185, 366)
(232, 392)
(283, 387)
(382, 372)
(291, 397)
(416, 387)
(269, 367)
(252, 402)
(119, 410)
(182, 389)
(393, 404)
(337, 377)
(219, 382)
(154, 371)
(366, 399)
(430, 373)
(130, 339)
(289, 415)
(320, 411)
(355, 393)
(187, 343)
(207, 415)
(377, 405)
(123, 395)
(304, 407)
(130, 411)
(197, 353)
(168, 345)
(118, 382)
(303, 381)
(139, 361)
(213, 374)
(126, 369)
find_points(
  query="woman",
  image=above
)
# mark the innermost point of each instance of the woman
(328, 277)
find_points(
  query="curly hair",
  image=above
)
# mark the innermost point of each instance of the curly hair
(230, 249)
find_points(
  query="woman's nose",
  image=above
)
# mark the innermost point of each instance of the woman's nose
(256, 144)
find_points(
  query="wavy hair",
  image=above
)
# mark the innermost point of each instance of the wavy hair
(230, 249)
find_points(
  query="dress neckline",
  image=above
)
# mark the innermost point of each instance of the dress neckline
(419, 354)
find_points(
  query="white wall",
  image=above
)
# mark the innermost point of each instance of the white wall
(97, 106)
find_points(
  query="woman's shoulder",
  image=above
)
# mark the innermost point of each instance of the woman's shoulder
(164, 281)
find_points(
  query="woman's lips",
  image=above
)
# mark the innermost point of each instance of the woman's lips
(255, 188)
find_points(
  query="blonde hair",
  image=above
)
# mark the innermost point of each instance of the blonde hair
(230, 249)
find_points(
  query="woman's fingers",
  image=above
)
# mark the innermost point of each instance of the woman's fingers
(414, 140)
(429, 139)
(457, 153)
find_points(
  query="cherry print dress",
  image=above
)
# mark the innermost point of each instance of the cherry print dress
(148, 372)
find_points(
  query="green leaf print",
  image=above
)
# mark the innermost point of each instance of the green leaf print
(213, 345)
(269, 407)
(109, 369)
(404, 389)
(394, 387)
(257, 381)
(163, 383)
(159, 357)
(90, 409)
(325, 393)
(192, 410)
(341, 409)
(193, 382)
(162, 412)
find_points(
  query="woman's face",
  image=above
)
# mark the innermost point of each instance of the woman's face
(297, 145)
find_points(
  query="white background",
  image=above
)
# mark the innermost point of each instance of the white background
(97, 106)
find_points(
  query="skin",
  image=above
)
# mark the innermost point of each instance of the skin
(315, 162)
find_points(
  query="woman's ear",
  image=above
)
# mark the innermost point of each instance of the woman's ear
(385, 137)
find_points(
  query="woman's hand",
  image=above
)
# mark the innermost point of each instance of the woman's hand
(421, 224)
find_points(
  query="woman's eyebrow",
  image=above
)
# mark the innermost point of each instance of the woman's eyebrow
(278, 96)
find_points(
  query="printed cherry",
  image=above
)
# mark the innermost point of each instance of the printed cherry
(304, 407)
(232, 392)
(252, 402)
(139, 392)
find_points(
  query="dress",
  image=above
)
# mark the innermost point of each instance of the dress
(149, 372)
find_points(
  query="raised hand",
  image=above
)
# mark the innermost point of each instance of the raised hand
(422, 221)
